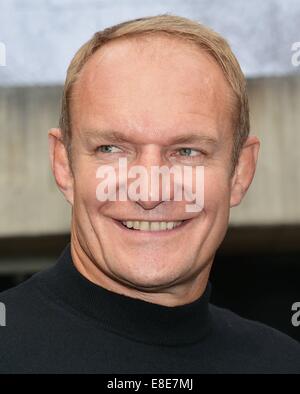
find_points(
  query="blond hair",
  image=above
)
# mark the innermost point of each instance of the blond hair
(175, 26)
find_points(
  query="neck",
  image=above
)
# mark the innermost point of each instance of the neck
(127, 316)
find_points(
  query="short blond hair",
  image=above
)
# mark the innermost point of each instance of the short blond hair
(175, 26)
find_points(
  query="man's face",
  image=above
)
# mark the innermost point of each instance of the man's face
(151, 94)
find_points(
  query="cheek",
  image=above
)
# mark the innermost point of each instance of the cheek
(86, 185)
(216, 190)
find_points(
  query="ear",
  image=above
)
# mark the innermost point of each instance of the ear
(60, 164)
(244, 171)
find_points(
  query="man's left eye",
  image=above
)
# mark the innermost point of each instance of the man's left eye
(189, 152)
(108, 149)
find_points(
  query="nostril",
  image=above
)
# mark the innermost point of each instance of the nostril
(147, 205)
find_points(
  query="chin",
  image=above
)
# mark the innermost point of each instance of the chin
(153, 275)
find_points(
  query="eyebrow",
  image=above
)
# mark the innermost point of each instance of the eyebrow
(107, 135)
(116, 136)
(194, 138)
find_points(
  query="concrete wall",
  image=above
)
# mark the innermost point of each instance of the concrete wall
(274, 197)
(30, 203)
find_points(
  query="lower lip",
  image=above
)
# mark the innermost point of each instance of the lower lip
(158, 233)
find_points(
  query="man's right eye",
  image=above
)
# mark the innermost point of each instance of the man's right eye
(108, 149)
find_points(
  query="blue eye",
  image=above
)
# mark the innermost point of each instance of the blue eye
(189, 152)
(108, 149)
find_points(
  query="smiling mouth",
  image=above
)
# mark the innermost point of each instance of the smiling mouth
(151, 226)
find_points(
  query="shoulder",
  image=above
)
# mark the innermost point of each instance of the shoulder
(24, 303)
(22, 293)
(32, 325)
(268, 348)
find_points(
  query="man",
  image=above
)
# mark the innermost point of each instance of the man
(131, 292)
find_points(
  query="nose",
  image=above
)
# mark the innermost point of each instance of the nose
(154, 188)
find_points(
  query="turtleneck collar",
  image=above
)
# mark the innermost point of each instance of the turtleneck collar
(129, 317)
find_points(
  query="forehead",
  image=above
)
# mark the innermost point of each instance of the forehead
(151, 86)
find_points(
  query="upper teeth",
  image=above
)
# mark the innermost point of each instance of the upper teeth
(151, 226)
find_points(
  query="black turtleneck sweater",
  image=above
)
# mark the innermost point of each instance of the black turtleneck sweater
(59, 322)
